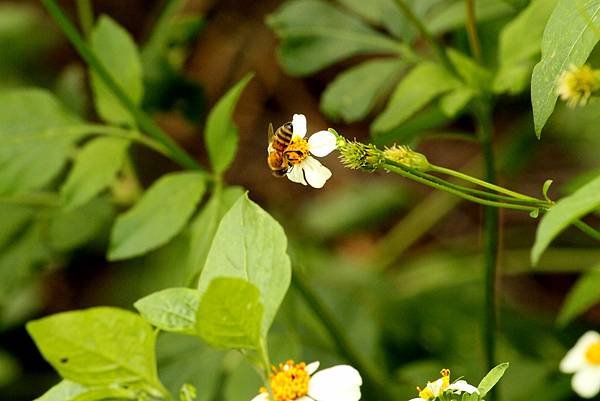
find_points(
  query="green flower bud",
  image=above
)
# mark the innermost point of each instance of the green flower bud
(407, 157)
(358, 156)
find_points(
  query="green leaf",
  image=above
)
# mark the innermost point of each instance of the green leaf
(452, 103)
(584, 295)
(383, 13)
(422, 85)
(173, 309)
(353, 93)
(69, 229)
(251, 245)
(490, 380)
(315, 34)
(569, 38)
(95, 168)
(453, 16)
(14, 218)
(204, 226)
(221, 134)
(27, 163)
(475, 76)
(520, 41)
(118, 53)
(230, 314)
(64, 391)
(565, 212)
(98, 346)
(160, 214)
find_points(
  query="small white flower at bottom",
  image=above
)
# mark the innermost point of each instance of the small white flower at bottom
(299, 382)
(437, 388)
(584, 361)
(307, 170)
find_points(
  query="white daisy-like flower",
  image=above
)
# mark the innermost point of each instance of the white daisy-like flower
(437, 388)
(584, 361)
(305, 169)
(299, 382)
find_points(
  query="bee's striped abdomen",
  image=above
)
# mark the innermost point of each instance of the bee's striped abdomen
(283, 137)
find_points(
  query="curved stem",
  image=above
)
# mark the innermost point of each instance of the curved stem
(404, 171)
(145, 123)
(482, 183)
(374, 376)
(587, 229)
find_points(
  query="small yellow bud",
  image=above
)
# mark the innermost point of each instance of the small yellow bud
(408, 157)
(576, 84)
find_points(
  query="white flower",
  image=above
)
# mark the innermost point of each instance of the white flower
(299, 382)
(307, 170)
(584, 360)
(437, 388)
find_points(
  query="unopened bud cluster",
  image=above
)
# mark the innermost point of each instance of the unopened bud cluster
(407, 157)
(358, 156)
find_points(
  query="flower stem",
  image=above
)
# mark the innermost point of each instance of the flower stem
(482, 183)
(266, 362)
(406, 172)
(144, 121)
(85, 14)
(472, 30)
(375, 377)
(587, 229)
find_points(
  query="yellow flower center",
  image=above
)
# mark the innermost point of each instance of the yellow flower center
(576, 85)
(289, 381)
(297, 150)
(592, 354)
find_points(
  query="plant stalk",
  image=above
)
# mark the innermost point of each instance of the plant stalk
(85, 14)
(145, 123)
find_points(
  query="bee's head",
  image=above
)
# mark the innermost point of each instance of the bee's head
(289, 126)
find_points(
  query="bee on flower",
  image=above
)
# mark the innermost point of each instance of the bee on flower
(298, 382)
(584, 361)
(436, 388)
(291, 155)
(576, 84)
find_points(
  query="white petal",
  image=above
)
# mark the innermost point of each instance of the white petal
(312, 367)
(304, 398)
(417, 399)
(575, 358)
(316, 174)
(322, 143)
(296, 174)
(261, 397)
(299, 125)
(463, 387)
(586, 382)
(338, 383)
(436, 387)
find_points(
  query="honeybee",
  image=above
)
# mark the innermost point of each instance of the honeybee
(282, 152)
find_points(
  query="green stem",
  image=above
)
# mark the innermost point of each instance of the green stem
(587, 229)
(406, 172)
(144, 121)
(482, 183)
(482, 114)
(338, 335)
(85, 14)
(437, 46)
(266, 362)
(471, 24)
(44, 199)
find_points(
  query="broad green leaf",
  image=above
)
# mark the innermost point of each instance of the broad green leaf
(98, 346)
(64, 391)
(204, 226)
(419, 87)
(452, 103)
(27, 163)
(315, 34)
(475, 76)
(570, 36)
(95, 168)
(453, 16)
(69, 229)
(520, 42)
(430, 118)
(107, 393)
(490, 380)
(160, 214)
(118, 53)
(383, 13)
(353, 93)
(14, 218)
(173, 309)
(251, 245)
(230, 314)
(584, 295)
(565, 212)
(221, 134)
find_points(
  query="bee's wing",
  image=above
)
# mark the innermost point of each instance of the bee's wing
(270, 133)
